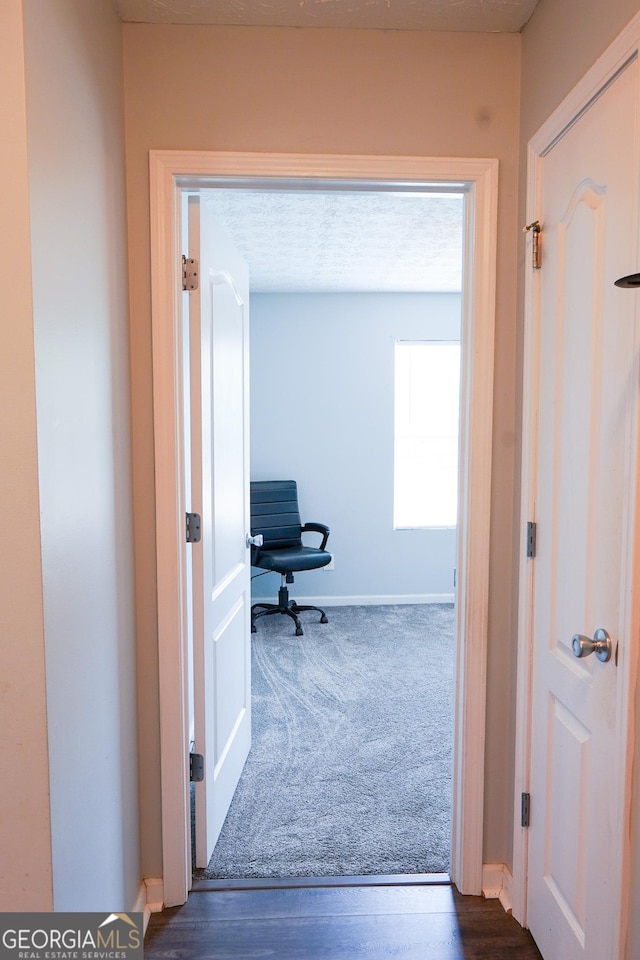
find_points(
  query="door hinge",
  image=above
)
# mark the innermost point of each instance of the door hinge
(190, 274)
(532, 532)
(525, 810)
(196, 767)
(193, 525)
(536, 230)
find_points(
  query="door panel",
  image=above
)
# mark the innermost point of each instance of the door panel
(220, 486)
(567, 824)
(584, 490)
(227, 417)
(229, 662)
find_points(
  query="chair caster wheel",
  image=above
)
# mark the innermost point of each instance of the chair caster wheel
(299, 632)
(323, 619)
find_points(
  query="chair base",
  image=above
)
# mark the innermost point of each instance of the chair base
(284, 605)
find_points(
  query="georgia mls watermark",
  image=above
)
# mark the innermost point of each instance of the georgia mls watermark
(71, 936)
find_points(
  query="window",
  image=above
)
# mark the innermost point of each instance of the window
(427, 412)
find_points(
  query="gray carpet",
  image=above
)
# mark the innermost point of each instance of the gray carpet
(350, 768)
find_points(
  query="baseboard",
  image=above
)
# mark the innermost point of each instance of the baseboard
(367, 599)
(496, 884)
(150, 899)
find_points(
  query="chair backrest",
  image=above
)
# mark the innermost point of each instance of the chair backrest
(275, 514)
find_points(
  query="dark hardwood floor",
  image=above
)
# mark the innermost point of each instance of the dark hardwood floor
(412, 922)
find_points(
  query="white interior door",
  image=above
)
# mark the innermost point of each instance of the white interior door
(219, 319)
(588, 391)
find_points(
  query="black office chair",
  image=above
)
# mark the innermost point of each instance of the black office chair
(275, 516)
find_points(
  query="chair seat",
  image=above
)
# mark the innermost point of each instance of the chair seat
(291, 559)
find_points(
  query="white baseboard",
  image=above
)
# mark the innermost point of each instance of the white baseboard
(496, 883)
(367, 599)
(150, 899)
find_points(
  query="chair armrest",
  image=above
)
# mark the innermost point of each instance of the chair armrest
(318, 528)
(255, 553)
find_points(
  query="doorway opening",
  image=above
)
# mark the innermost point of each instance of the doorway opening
(170, 172)
(355, 319)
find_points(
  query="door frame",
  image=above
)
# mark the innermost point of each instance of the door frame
(619, 54)
(170, 172)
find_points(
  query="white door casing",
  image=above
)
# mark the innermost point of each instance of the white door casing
(219, 429)
(579, 485)
(170, 171)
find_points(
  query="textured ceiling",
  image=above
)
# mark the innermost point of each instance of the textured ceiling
(344, 242)
(491, 16)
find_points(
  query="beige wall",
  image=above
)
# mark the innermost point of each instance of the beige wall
(561, 42)
(25, 839)
(320, 91)
(75, 127)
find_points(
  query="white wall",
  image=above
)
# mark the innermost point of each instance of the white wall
(75, 124)
(322, 413)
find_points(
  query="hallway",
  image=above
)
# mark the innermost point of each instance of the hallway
(359, 922)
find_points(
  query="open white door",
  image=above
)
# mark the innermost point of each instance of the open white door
(219, 331)
(584, 498)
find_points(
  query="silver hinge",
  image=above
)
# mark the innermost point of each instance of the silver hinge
(536, 229)
(532, 532)
(525, 817)
(190, 274)
(193, 526)
(196, 767)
